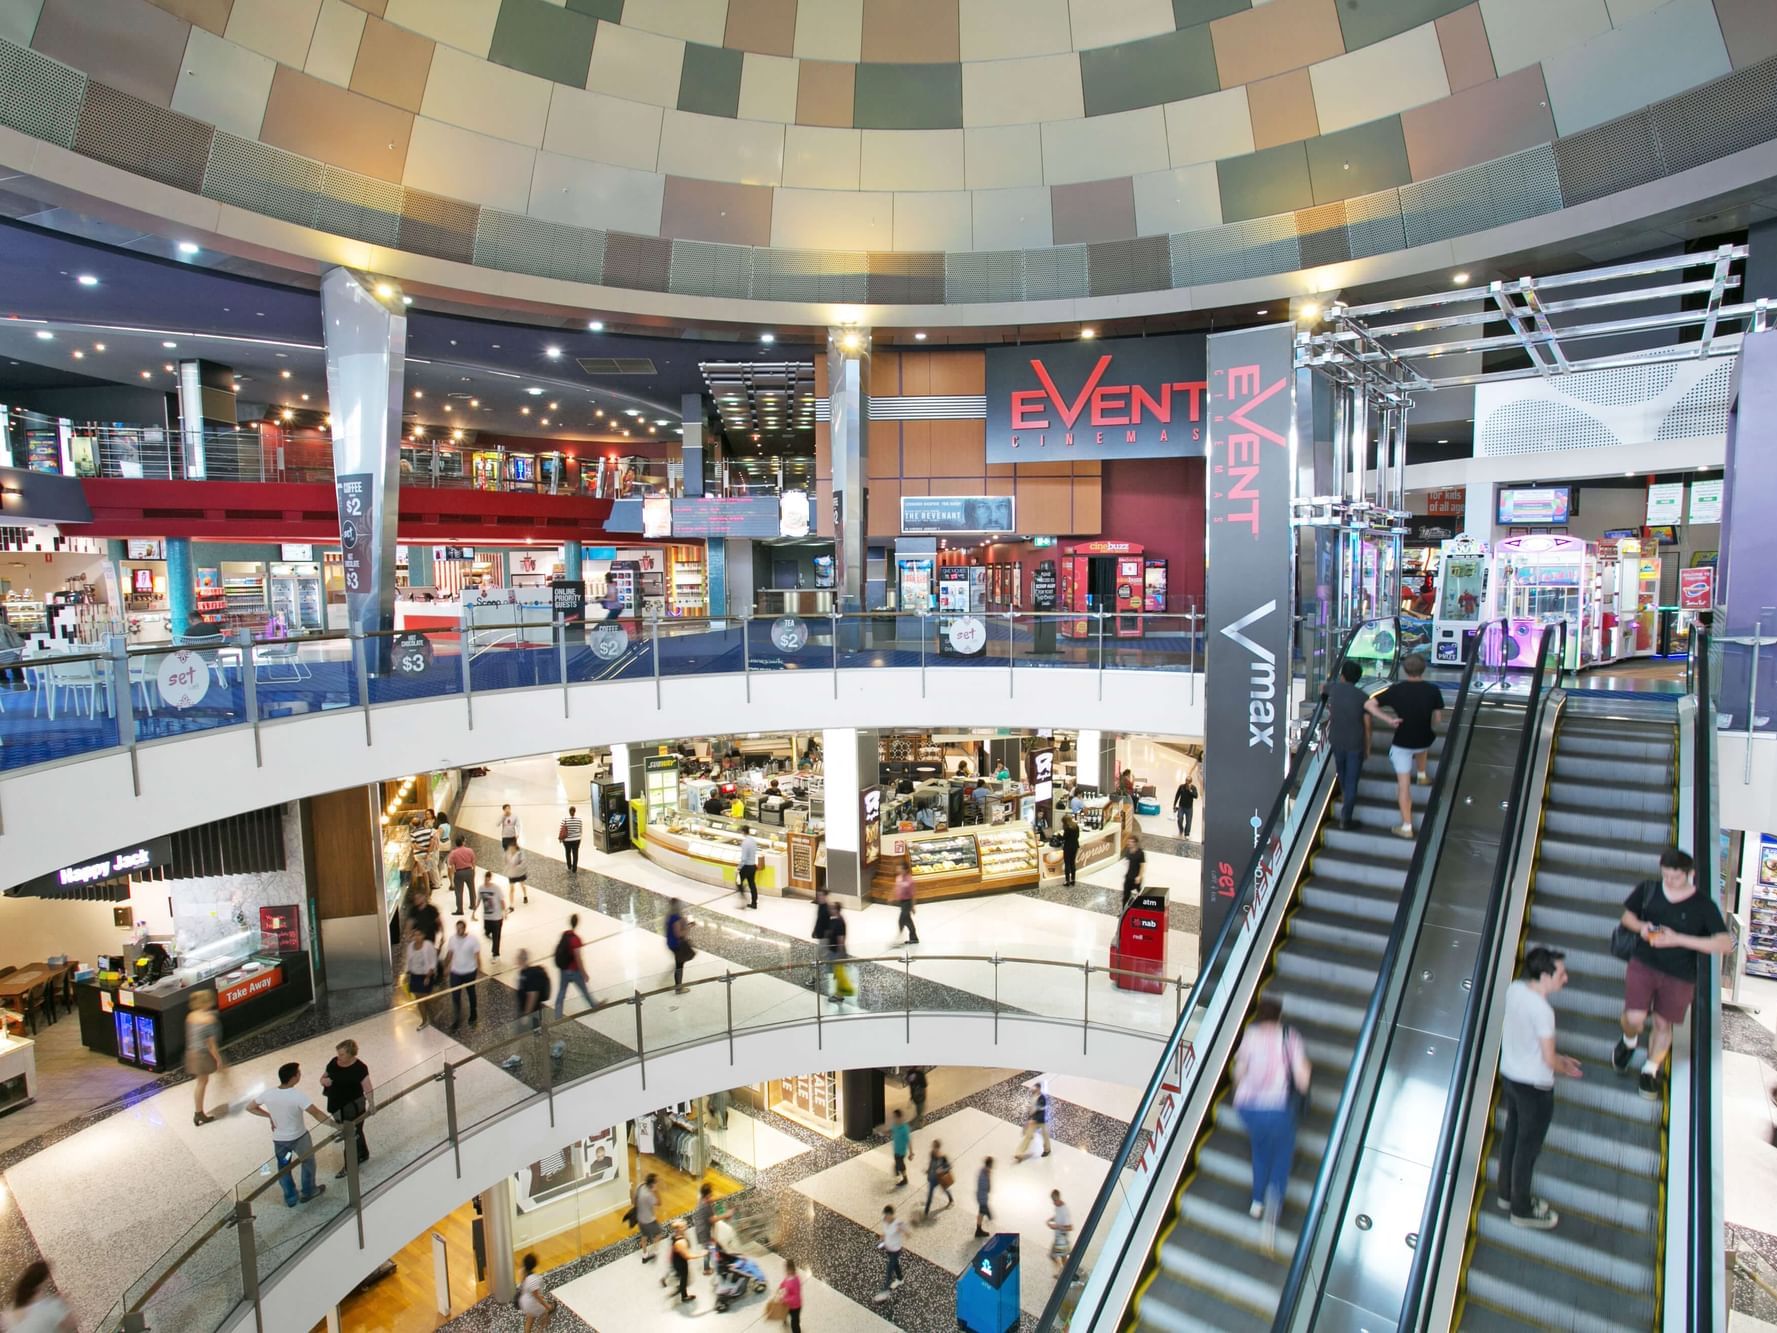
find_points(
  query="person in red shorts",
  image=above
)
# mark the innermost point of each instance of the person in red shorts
(1675, 923)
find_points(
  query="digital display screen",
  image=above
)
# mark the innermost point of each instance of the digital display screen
(1544, 504)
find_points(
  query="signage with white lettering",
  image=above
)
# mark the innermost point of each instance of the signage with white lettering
(1122, 398)
(1706, 501)
(1665, 503)
(933, 514)
(121, 864)
(356, 493)
(232, 993)
(413, 654)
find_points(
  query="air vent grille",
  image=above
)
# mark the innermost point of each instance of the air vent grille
(616, 365)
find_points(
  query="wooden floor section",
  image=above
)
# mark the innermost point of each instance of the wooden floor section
(405, 1300)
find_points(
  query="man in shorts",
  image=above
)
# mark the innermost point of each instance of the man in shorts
(1413, 705)
(1675, 923)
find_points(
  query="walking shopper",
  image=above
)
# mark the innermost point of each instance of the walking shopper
(1070, 846)
(569, 836)
(916, 1090)
(746, 879)
(1528, 1064)
(1184, 805)
(904, 889)
(533, 994)
(462, 956)
(680, 1254)
(1348, 735)
(492, 904)
(983, 1188)
(462, 871)
(420, 836)
(518, 875)
(345, 1083)
(645, 1202)
(535, 1304)
(568, 965)
(1271, 1073)
(843, 983)
(938, 1177)
(1135, 863)
(35, 1308)
(823, 916)
(894, 1236)
(789, 1291)
(422, 972)
(1061, 1225)
(703, 1218)
(284, 1106)
(1036, 1122)
(1674, 923)
(441, 847)
(901, 1142)
(203, 1054)
(678, 943)
(1414, 706)
(508, 828)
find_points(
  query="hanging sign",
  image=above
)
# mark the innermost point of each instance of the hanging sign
(1696, 588)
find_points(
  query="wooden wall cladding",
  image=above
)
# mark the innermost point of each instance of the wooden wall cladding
(343, 866)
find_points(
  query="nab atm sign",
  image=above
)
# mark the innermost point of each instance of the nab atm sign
(1121, 398)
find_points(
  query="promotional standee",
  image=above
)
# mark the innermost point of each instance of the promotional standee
(1462, 597)
(1043, 599)
(962, 601)
(987, 1291)
(1140, 944)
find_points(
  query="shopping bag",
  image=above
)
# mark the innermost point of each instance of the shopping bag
(843, 982)
(776, 1311)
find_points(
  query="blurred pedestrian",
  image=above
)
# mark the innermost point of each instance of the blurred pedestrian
(894, 1236)
(789, 1291)
(678, 943)
(461, 861)
(572, 970)
(203, 1053)
(938, 1177)
(536, 1305)
(422, 972)
(1036, 1121)
(904, 892)
(901, 1142)
(1061, 1225)
(492, 904)
(36, 1308)
(518, 875)
(345, 1084)
(1271, 1074)
(983, 1189)
(509, 828)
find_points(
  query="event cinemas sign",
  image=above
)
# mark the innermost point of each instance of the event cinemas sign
(1121, 398)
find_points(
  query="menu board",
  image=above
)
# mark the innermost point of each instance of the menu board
(803, 847)
(1665, 503)
(1706, 501)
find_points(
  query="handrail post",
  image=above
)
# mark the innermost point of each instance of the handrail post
(250, 687)
(819, 963)
(561, 659)
(1011, 655)
(907, 992)
(361, 673)
(996, 997)
(243, 1234)
(466, 655)
(1191, 651)
(653, 624)
(126, 705)
(1085, 1008)
(922, 653)
(641, 1054)
(348, 1144)
(833, 616)
(543, 1061)
(728, 991)
(450, 1116)
(746, 654)
(1101, 657)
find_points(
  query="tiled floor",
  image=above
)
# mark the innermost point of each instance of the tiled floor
(71, 1081)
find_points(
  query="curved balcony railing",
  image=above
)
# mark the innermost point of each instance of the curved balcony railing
(226, 1259)
(71, 705)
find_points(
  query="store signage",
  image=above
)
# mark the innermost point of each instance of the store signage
(413, 654)
(1042, 541)
(183, 679)
(1447, 502)
(1665, 503)
(788, 634)
(297, 551)
(609, 641)
(353, 493)
(967, 635)
(657, 516)
(870, 834)
(442, 553)
(258, 983)
(721, 516)
(1696, 588)
(1248, 598)
(1706, 501)
(70, 880)
(794, 514)
(1123, 398)
(280, 929)
(144, 550)
(935, 514)
(567, 600)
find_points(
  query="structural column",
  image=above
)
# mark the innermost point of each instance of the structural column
(572, 552)
(206, 411)
(848, 392)
(1746, 596)
(342, 860)
(181, 587)
(496, 1239)
(851, 762)
(366, 336)
(691, 443)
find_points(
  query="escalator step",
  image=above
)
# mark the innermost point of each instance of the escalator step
(1170, 1305)
(1612, 1257)
(1560, 1300)
(1593, 1190)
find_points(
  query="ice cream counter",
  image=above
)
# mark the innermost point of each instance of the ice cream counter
(146, 1026)
(709, 853)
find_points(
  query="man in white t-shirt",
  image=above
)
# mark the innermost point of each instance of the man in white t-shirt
(747, 878)
(1528, 1064)
(285, 1106)
(894, 1236)
(462, 958)
(1061, 1223)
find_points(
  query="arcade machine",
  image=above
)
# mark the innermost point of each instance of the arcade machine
(1103, 576)
(1463, 601)
(1542, 579)
(1638, 595)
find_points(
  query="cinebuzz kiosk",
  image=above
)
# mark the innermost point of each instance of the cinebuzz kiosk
(1463, 603)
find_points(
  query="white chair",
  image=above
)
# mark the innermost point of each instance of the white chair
(283, 660)
(80, 679)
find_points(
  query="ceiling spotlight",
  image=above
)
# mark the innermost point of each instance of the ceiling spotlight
(1261, 312)
(850, 342)
(919, 337)
(45, 335)
(1459, 278)
(768, 338)
(1443, 442)
(289, 415)
(419, 393)
(1309, 313)
(475, 402)
(283, 374)
(168, 367)
(407, 300)
(1089, 333)
(187, 247)
(553, 353)
(169, 345)
(87, 280)
(79, 355)
(534, 391)
(385, 290)
(552, 407)
(305, 398)
(447, 407)
(456, 435)
(595, 325)
(524, 411)
(598, 411)
(545, 421)
(328, 421)
(98, 347)
(147, 374)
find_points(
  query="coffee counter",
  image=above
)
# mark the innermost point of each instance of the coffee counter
(146, 1027)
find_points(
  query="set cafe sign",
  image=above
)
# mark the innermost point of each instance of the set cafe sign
(1121, 398)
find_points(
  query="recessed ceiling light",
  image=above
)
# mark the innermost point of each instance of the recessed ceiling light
(552, 407)
(385, 290)
(1443, 442)
(147, 374)
(596, 325)
(419, 393)
(1089, 333)
(919, 337)
(98, 347)
(284, 374)
(45, 335)
(187, 247)
(305, 398)
(87, 280)
(534, 391)
(169, 345)
(1262, 312)
(79, 355)
(169, 369)
(768, 338)
(407, 300)
(289, 415)
(552, 353)
(475, 402)
(447, 407)
(545, 421)
(524, 411)
(1459, 278)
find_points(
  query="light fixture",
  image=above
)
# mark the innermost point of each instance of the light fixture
(385, 290)
(147, 374)
(553, 353)
(596, 325)
(919, 337)
(87, 280)
(456, 435)
(289, 415)
(188, 247)
(850, 342)
(1309, 313)
(169, 345)
(79, 355)
(168, 367)
(447, 407)
(524, 411)
(475, 402)
(768, 338)
(1459, 278)
(419, 393)
(407, 300)
(1089, 333)
(1262, 312)
(98, 347)
(545, 421)
(305, 398)
(1443, 442)
(44, 335)
(534, 391)
(284, 374)
(552, 407)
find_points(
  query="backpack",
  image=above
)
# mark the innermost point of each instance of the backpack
(564, 952)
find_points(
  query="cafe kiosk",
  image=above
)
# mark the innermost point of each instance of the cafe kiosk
(1463, 597)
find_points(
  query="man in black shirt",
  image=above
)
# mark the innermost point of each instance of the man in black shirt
(1184, 803)
(1348, 735)
(533, 994)
(1413, 705)
(1676, 923)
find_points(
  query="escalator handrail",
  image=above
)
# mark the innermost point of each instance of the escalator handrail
(1703, 1235)
(1212, 968)
(1441, 1198)
(1394, 955)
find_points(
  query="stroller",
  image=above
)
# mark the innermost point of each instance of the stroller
(735, 1274)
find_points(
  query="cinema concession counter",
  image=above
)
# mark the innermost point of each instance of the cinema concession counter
(145, 1025)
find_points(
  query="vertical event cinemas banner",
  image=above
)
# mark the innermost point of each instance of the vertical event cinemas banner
(1251, 554)
(1120, 398)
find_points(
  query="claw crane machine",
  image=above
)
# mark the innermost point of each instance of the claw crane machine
(1103, 576)
(1544, 578)
(1463, 597)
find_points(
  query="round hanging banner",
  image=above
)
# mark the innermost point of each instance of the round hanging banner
(967, 635)
(609, 641)
(413, 654)
(789, 634)
(183, 679)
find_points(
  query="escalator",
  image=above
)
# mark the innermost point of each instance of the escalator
(1611, 809)
(1212, 1268)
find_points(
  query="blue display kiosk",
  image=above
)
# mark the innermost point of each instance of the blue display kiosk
(987, 1293)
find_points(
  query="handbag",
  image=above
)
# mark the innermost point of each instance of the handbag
(776, 1310)
(561, 833)
(1622, 939)
(1298, 1097)
(946, 1179)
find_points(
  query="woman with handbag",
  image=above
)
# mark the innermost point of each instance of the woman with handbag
(787, 1303)
(938, 1177)
(1271, 1073)
(678, 940)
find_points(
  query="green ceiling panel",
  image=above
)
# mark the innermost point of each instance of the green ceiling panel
(1273, 180)
(1149, 72)
(1189, 13)
(908, 97)
(611, 11)
(1360, 160)
(543, 39)
(710, 83)
(1365, 22)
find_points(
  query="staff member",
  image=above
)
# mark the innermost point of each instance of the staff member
(747, 879)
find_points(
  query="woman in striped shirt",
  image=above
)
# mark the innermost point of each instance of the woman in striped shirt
(420, 837)
(569, 834)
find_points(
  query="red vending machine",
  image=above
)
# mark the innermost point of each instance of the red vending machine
(1103, 576)
(1139, 951)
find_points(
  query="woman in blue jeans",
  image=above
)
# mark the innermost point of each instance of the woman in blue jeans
(1271, 1063)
